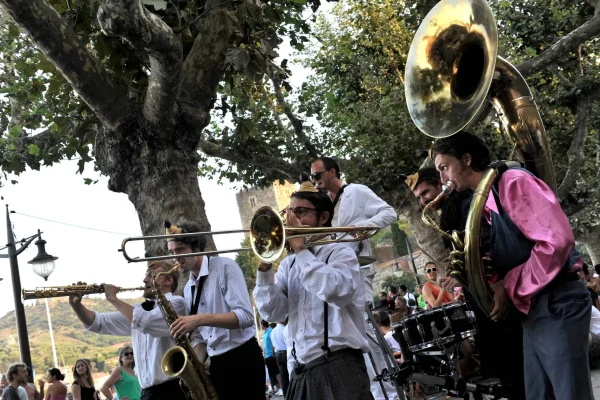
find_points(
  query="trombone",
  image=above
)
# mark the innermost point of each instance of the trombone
(268, 237)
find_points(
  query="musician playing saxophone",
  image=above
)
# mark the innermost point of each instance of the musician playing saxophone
(145, 323)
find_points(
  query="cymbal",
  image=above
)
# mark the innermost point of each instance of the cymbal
(366, 260)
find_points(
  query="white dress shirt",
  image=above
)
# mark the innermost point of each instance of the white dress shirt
(278, 339)
(359, 206)
(393, 343)
(223, 291)
(299, 292)
(150, 337)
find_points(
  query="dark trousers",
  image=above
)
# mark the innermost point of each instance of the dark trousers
(273, 370)
(555, 342)
(281, 358)
(339, 376)
(169, 390)
(239, 373)
(500, 347)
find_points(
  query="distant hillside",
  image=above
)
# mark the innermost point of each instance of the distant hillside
(72, 341)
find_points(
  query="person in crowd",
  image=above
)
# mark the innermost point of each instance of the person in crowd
(123, 378)
(421, 303)
(56, 389)
(357, 205)
(83, 382)
(32, 392)
(433, 293)
(147, 327)
(401, 310)
(273, 370)
(278, 339)
(220, 315)
(393, 293)
(320, 290)
(386, 329)
(408, 296)
(15, 376)
(591, 286)
(530, 254)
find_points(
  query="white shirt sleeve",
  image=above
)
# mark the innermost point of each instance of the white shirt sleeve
(113, 323)
(378, 212)
(22, 393)
(270, 294)
(153, 322)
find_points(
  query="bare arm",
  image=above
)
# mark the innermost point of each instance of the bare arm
(85, 316)
(428, 296)
(48, 392)
(200, 350)
(440, 298)
(76, 391)
(114, 377)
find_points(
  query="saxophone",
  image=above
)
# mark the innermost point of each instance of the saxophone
(181, 361)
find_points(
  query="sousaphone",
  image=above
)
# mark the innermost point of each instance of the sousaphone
(452, 70)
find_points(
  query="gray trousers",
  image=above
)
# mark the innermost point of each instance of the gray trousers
(341, 376)
(555, 343)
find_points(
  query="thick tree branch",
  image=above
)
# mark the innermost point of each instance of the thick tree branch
(576, 154)
(129, 19)
(288, 170)
(287, 110)
(565, 44)
(61, 45)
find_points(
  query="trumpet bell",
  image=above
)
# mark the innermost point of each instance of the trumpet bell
(450, 66)
(267, 234)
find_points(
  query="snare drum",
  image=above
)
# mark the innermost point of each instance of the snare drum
(447, 324)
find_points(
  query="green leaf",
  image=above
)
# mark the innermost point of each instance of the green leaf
(238, 58)
(33, 149)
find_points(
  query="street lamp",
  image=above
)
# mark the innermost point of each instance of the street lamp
(43, 265)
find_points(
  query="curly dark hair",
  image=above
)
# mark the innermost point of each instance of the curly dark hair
(197, 243)
(463, 143)
(428, 175)
(329, 163)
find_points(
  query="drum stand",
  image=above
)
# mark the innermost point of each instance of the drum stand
(390, 373)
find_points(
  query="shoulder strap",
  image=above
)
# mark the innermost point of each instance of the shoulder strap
(338, 195)
(196, 299)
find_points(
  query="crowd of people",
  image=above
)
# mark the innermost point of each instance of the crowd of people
(122, 384)
(316, 343)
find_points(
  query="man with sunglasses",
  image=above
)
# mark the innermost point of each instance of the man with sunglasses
(147, 327)
(357, 205)
(319, 290)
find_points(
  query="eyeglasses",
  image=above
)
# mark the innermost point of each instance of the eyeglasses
(130, 353)
(316, 176)
(429, 270)
(300, 211)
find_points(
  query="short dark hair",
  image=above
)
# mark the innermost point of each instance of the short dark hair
(55, 372)
(586, 269)
(428, 175)
(329, 163)
(264, 323)
(403, 288)
(430, 263)
(384, 318)
(197, 243)
(320, 200)
(463, 143)
(383, 293)
(394, 289)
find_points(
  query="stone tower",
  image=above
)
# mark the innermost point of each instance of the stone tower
(250, 200)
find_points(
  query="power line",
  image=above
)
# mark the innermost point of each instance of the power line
(72, 225)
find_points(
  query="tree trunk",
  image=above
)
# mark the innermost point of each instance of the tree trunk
(591, 241)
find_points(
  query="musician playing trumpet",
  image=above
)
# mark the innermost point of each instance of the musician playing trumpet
(321, 290)
(147, 327)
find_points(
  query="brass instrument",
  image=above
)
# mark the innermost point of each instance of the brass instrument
(180, 361)
(268, 236)
(451, 70)
(64, 291)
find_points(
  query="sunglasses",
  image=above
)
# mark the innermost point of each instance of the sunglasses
(300, 211)
(429, 270)
(316, 176)
(130, 353)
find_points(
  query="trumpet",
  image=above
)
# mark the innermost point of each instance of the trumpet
(268, 237)
(64, 291)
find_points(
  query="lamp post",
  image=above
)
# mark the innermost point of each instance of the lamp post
(43, 265)
(412, 260)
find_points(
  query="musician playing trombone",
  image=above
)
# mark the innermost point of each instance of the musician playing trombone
(150, 336)
(221, 317)
(531, 246)
(320, 290)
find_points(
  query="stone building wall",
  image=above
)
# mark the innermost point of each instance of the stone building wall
(251, 199)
